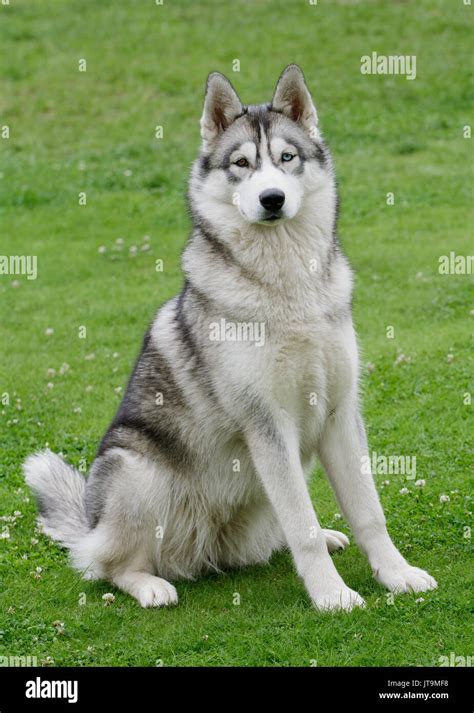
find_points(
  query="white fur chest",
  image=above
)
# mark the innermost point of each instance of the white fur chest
(312, 369)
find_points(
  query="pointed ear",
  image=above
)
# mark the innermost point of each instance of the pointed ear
(293, 99)
(221, 106)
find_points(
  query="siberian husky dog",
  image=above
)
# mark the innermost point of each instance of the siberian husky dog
(244, 378)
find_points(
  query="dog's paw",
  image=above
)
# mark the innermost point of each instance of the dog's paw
(404, 578)
(335, 540)
(344, 599)
(156, 592)
(150, 591)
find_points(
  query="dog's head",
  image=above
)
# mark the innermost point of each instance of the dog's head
(260, 161)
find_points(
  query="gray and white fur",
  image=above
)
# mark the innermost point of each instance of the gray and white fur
(206, 463)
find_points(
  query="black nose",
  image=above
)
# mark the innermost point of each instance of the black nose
(272, 199)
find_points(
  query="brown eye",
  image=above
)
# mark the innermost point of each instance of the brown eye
(242, 163)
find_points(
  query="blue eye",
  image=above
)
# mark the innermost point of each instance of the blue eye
(287, 156)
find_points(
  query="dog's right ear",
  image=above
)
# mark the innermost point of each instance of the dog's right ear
(221, 106)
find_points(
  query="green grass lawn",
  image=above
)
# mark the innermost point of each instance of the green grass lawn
(94, 132)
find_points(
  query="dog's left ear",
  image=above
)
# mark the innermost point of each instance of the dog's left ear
(221, 106)
(293, 99)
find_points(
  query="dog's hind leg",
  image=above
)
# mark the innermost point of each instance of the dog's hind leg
(126, 499)
(335, 540)
(150, 591)
(122, 556)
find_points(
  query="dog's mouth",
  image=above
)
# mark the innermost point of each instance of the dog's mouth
(272, 217)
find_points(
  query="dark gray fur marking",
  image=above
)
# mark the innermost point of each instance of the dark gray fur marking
(139, 414)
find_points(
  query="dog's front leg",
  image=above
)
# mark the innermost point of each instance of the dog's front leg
(344, 455)
(274, 449)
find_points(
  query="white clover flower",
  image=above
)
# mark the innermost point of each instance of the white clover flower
(102, 249)
(420, 600)
(444, 498)
(420, 483)
(404, 491)
(59, 626)
(108, 598)
(337, 516)
(49, 331)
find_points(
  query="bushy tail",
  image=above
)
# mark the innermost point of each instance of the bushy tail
(60, 494)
